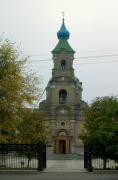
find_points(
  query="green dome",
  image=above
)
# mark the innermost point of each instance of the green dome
(77, 82)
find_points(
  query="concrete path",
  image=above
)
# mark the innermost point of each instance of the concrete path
(62, 176)
(65, 166)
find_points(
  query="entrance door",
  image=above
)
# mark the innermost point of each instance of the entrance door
(62, 146)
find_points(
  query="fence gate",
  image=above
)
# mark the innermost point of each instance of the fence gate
(23, 156)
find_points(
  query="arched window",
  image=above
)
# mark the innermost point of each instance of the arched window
(63, 64)
(62, 96)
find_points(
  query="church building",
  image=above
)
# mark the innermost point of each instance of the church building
(64, 107)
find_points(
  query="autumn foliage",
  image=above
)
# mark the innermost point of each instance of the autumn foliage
(18, 90)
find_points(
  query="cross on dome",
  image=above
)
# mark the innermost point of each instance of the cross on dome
(63, 33)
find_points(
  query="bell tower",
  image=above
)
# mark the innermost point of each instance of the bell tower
(64, 86)
(63, 55)
(63, 106)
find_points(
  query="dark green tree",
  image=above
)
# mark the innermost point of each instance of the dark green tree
(101, 128)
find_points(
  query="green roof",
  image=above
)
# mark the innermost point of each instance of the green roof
(77, 82)
(63, 45)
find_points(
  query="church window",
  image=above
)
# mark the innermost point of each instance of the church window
(62, 96)
(62, 124)
(63, 64)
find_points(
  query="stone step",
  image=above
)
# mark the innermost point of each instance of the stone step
(64, 170)
(65, 157)
(65, 166)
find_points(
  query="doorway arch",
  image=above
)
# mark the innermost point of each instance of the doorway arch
(62, 143)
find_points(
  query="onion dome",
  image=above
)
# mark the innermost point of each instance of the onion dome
(63, 33)
(63, 44)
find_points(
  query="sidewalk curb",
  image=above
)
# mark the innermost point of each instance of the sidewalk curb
(105, 171)
(27, 172)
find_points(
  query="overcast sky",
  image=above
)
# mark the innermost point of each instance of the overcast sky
(93, 26)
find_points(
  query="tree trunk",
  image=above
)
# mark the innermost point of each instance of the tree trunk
(104, 162)
(28, 162)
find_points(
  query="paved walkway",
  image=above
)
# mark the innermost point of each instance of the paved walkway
(65, 166)
(62, 176)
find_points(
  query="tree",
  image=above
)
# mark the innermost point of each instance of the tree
(101, 128)
(32, 130)
(16, 90)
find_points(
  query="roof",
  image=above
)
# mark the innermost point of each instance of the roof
(63, 45)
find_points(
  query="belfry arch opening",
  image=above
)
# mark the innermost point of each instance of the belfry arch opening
(63, 64)
(62, 96)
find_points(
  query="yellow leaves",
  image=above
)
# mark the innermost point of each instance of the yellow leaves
(16, 90)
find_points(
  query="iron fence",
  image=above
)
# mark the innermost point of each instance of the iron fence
(23, 156)
(95, 158)
(98, 163)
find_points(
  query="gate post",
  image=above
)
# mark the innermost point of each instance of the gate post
(41, 156)
(44, 156)
(89, 161)
(85, 156)
(88, 157)
(39, 149)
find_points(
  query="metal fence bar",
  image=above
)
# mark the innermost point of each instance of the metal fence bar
(22, 156)
(93, 161)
